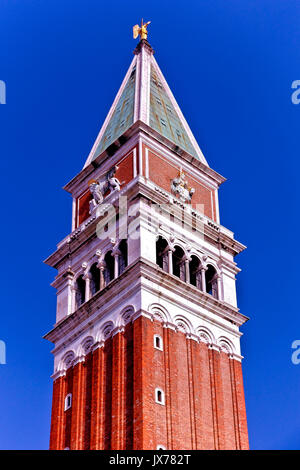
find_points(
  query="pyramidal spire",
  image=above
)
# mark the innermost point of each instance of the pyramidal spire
(145, 96)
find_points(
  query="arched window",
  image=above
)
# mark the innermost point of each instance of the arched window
(159, 396)
(211, 281)
(95, 279)
(68, 401)
(80, 291)
(158, 342)
(162, 254)
(123, 256)
(195, 273)
(109, 272)
(178, 263)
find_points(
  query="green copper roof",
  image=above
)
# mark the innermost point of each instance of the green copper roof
(163, 117)
(122, 117)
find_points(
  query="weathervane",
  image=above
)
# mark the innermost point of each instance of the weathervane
(141, 30)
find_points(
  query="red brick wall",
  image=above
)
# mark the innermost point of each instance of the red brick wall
(242, 429)
(143, 392)
(88, 401)
(58, 415)
(97, 399)
(113, 405)
(178, 398)
(68, 413)
(124, 174)
(161, 172)
(107, 392)
(159, 380)
(78, 406)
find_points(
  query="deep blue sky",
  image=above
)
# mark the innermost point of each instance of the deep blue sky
(230, 65)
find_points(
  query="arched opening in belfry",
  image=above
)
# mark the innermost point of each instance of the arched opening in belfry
(178, 263)
(80, 291)
(95, 279)
(109, 271)
(211, 281)
(123, 256)
(162, 253)
(195, 273)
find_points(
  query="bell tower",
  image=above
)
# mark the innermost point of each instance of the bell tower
(146, 340)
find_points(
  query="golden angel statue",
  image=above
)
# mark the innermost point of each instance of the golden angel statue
(141, 30)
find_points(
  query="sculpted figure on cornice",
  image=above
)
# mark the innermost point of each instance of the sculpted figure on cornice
(99, 188)
(180, 188)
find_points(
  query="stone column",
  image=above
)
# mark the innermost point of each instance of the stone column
(69, 277)
(73, 298)
(187, 270)
(87, 277)
(116, 254)
(203, 280)
(219, 286)
(170, 261)
(101, 267)
(102, 280)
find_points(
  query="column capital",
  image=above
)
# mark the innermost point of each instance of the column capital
(113, 241)
(87, 276)
(116, 252)
(69, 274)
(101, 265)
